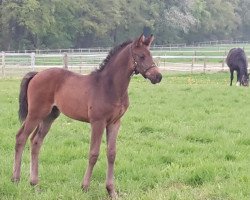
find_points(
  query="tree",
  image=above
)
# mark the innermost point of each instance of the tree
(244, 12)
(216, 20)
(175, 19)
(31, 24)
(25, 22)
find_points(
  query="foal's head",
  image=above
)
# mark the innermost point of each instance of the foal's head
(143, 61)
(245, 80)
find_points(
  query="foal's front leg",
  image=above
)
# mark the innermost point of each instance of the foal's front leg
(112, 132)
(96, 139)
(231, 77)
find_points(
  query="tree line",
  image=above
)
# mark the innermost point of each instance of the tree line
(42, 24)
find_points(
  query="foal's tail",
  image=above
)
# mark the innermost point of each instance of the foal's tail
(23, 103)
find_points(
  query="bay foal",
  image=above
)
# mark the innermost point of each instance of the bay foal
(100, 98)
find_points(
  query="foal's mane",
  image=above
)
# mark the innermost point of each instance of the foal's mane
(111, 53)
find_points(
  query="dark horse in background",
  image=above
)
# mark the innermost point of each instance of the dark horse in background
(237, 61)
(99, 98)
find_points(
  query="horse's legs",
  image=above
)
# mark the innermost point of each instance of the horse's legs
(112, 132)
(238, 78)
(96, 138)
(232, 76)
(27, 128)
(36, 143)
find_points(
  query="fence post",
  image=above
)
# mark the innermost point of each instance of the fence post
(192, 65)
(3, 64)
(65, 61)
(224, 60)
(33, 60)
(205, 65)
(223, 64)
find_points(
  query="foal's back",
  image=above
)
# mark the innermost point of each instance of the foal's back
(236, 59)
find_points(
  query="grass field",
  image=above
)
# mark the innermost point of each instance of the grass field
(186, 138)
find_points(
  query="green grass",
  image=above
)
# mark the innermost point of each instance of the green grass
(185, 138)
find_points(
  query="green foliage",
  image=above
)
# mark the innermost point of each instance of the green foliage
(244, 13)
(35, 24)
(185, 138)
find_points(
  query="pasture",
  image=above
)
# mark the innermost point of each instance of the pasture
(185, 138)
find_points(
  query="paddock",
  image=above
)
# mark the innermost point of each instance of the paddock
(186, 138)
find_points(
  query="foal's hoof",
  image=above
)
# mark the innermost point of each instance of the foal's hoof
(15, 180)
(34, 183)
(113, 195)
(85, 188)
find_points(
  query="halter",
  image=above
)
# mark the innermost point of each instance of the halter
(144, 69)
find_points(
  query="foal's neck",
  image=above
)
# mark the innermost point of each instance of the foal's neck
(117, 74)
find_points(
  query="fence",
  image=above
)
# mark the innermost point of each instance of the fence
(16, 64)
(219, 44)
(191, 63)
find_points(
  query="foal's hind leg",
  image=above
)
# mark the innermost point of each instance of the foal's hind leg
(238, 83)
(21, 138)
(36, 143)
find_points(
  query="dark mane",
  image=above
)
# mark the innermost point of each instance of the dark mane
(111, 53)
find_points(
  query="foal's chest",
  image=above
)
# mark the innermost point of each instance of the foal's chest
(119, 110)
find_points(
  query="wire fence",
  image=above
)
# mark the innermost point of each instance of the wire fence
(17, 64)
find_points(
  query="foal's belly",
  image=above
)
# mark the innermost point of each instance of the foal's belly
(75, 114)
(74, 106)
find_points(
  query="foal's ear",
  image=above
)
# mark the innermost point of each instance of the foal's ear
(149, 40)
(140, 41)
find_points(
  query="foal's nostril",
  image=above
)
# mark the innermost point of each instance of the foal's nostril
(158, 77)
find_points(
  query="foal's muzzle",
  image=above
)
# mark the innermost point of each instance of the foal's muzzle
(154, 75)
(245, 84)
